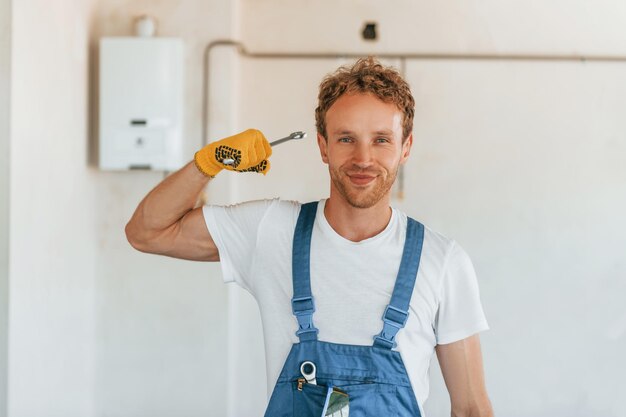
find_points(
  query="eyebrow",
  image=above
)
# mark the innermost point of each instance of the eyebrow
(384, 132)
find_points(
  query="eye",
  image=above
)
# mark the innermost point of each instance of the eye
(345, 140)
(382, 140)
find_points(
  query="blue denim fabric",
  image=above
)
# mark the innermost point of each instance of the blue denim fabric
(374, 377)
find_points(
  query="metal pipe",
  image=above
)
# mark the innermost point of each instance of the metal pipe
(402, 56)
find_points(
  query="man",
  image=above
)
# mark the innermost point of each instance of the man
(338, 266)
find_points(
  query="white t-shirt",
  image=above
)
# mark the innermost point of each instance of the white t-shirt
(351, 282)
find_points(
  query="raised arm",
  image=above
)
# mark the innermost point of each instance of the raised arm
(462, 368)
(166, 222)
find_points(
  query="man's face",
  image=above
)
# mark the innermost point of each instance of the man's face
(364, 148)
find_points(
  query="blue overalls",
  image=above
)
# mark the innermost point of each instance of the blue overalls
(374, 377)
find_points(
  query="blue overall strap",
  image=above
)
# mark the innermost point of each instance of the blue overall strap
(302, 303)
(397, 312)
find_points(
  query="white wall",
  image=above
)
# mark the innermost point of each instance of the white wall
(161, 324)
(53, 240)
(475, 26)
(5, 89)
(98, 328)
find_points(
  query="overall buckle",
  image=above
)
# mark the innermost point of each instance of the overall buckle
(303, 308)
(394, 319)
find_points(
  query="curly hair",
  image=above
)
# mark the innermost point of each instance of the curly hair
(367, 75)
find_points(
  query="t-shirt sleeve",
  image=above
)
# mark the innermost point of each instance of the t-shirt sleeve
(460, 313)
(235, 230)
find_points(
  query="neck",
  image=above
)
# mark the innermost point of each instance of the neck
(357, 224)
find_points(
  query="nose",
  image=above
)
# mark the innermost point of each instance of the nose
(362, 156)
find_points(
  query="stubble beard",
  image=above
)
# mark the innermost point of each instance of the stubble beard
(363, 197)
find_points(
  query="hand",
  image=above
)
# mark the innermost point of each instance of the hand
(249, 150)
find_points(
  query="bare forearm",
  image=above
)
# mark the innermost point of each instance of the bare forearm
(471, 401)
(462, 368)
(478, 410)
(167, 203)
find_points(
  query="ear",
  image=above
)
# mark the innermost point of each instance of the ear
(323, 144)
(406, 148)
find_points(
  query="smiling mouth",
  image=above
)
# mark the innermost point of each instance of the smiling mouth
(361, 179)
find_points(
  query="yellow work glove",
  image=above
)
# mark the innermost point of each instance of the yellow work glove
(249, 150)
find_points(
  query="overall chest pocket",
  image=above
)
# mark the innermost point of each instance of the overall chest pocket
(370, 399)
